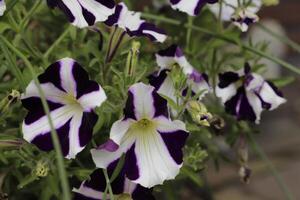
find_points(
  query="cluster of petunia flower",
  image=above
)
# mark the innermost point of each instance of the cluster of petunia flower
(146, 137)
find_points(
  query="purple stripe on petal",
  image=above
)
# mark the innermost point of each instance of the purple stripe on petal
(44, 141)
(276, 90)
(88, 122)
(88, 16)
(83, 84)
(239, 106)
(36, 110)
(174, 1)
(131, 167)
(107, 3)
(227, 78)
(175, 142)
(141, 193)
(160, 105)
(52, 75)
(65, 9)
(156, 79)
(145, 26)
(114, 18)
(129, 108)
(171, 51)
(110, 146)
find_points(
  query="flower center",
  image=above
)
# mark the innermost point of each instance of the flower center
(143, 125)
(71, 100)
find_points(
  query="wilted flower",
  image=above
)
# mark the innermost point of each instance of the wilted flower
(151, 141)
(243, 18)
(168, 59)
(199, 113)
(83, 13)
(132, 23)
(2, 7)
(191, 7)
(122, 187)
(71, 97)
(246, 94)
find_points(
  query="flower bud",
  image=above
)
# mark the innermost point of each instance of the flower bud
(245, 174)
(8, 100)
(41, 169)
(199, 113)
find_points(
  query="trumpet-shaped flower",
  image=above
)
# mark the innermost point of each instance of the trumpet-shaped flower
(122, 187)
(132, 23)
(246, 94)
(71, 97)
(83, 13)
(191, 7)
(2, 7)
(172, 57)
(151, 141)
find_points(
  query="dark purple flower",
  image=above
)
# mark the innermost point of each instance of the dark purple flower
(246, 94)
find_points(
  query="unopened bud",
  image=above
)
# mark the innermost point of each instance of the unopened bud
(8, 100)
(132, 57)
(245, 174)
(41, 169)
(199, 113)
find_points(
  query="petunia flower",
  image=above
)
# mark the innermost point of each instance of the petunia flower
(83, 13)
(122, 187)
(151, 141)
(71, 97)
(191, 7)
(2, 7)
(240, 16)
(168, 59)
(243, 18)
(246, 94)
(132, 23)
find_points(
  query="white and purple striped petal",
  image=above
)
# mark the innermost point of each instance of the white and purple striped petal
(93, 189)
(132, 23)
(83, 13)
(145, 135)
(243, 19)
(247, 94)
(71, 98)
(191, 7)
(2, 7)
(167, 59)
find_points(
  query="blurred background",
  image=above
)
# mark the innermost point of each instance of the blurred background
(280, 129)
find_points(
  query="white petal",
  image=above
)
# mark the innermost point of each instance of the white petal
(2, 7)
(166, 125)
(187, 6)
(143, 100)
(75, 147)
(59, 117)
(226, 93)
(154, 161)
(256, 105)
(91, 100)
(167, 88)
(103, 158)
(129, 19)
(68, 82)
(51, 93)
(119, 129)
(269, 96)
(88, 192)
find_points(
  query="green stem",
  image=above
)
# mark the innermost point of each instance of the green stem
(61, 37)
(30, 13)
(111, 194)
(281, 38)
(225, 38)
(59, 157)
(189, 32)
(284, 188)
